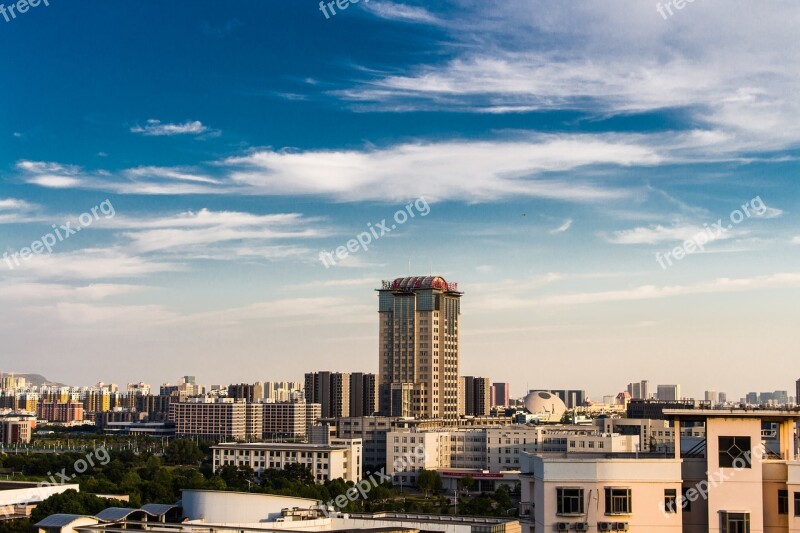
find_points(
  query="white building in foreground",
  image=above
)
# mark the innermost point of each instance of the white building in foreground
(205, 511)
(339, 459)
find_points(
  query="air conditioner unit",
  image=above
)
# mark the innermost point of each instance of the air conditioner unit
(604, 526)
(562, 526)
(621, 526)
(581, 527)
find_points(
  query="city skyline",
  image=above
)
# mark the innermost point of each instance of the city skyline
(614, 190)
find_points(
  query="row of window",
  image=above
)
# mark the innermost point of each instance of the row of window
(570, 501)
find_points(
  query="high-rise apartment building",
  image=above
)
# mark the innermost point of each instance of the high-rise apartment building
(712, 397)
(363, 394)
(244, 391)
(288, 419)
(477, 396)
(571, 398)
(331, 390)
(640, 390)
(501, 395)
(418, 342)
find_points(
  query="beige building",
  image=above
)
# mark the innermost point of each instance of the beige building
(16, 429)
(743, 476)
(215, 419)
(747, 477)
(289, 419)
(598, 493)
(419, 344)
(339, 459)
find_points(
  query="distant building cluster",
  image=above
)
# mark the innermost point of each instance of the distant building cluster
(644, 459)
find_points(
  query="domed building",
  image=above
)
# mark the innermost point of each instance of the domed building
(548, 407)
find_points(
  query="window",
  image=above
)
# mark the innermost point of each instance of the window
(797, 503)
(618, 501)
(735, 522)
(783, 502)
(734, 452)
(569, 501)
(670, 501)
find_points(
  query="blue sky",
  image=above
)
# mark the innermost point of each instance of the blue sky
(558, 147)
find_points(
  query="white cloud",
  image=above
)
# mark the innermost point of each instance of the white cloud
(736, 72)
(468, 171)
(402, 12)
(13, 210)
(563, 227)
(27, 292)
(471, 171)
(659, 233)
(89, 264)
(648, 292)
(155, 128)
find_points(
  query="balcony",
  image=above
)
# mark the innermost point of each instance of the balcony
(526, 510)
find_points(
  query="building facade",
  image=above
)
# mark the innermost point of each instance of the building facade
(331, 390)
(339, 459)
(419, 343)
(501, 395)
(363, 394)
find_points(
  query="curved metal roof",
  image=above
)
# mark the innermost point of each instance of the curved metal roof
(60, 520)
(113, 514)
(158, 509)
(420, 282)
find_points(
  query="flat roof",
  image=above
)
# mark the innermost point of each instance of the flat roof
(767, 415)
(278, 445)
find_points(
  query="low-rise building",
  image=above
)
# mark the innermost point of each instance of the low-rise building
(339, 459)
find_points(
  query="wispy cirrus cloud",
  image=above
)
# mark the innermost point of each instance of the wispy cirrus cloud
(659, 233)
(472, 171)
(156, 128)
(563, 227)
(401, 12)
(527, 55)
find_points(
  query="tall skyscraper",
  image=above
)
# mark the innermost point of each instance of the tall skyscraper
(331, 390)
(363, 394)
(501, 394)
(669, 392)
(711, 397)
(418, 343)
(644, 389)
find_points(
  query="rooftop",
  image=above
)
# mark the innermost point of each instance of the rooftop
(419, 282)
(280, 446)
(767, 415)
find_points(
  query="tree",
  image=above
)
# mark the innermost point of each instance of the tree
(429, 481)
(466, 483)
(183, 452)
(72, 502)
